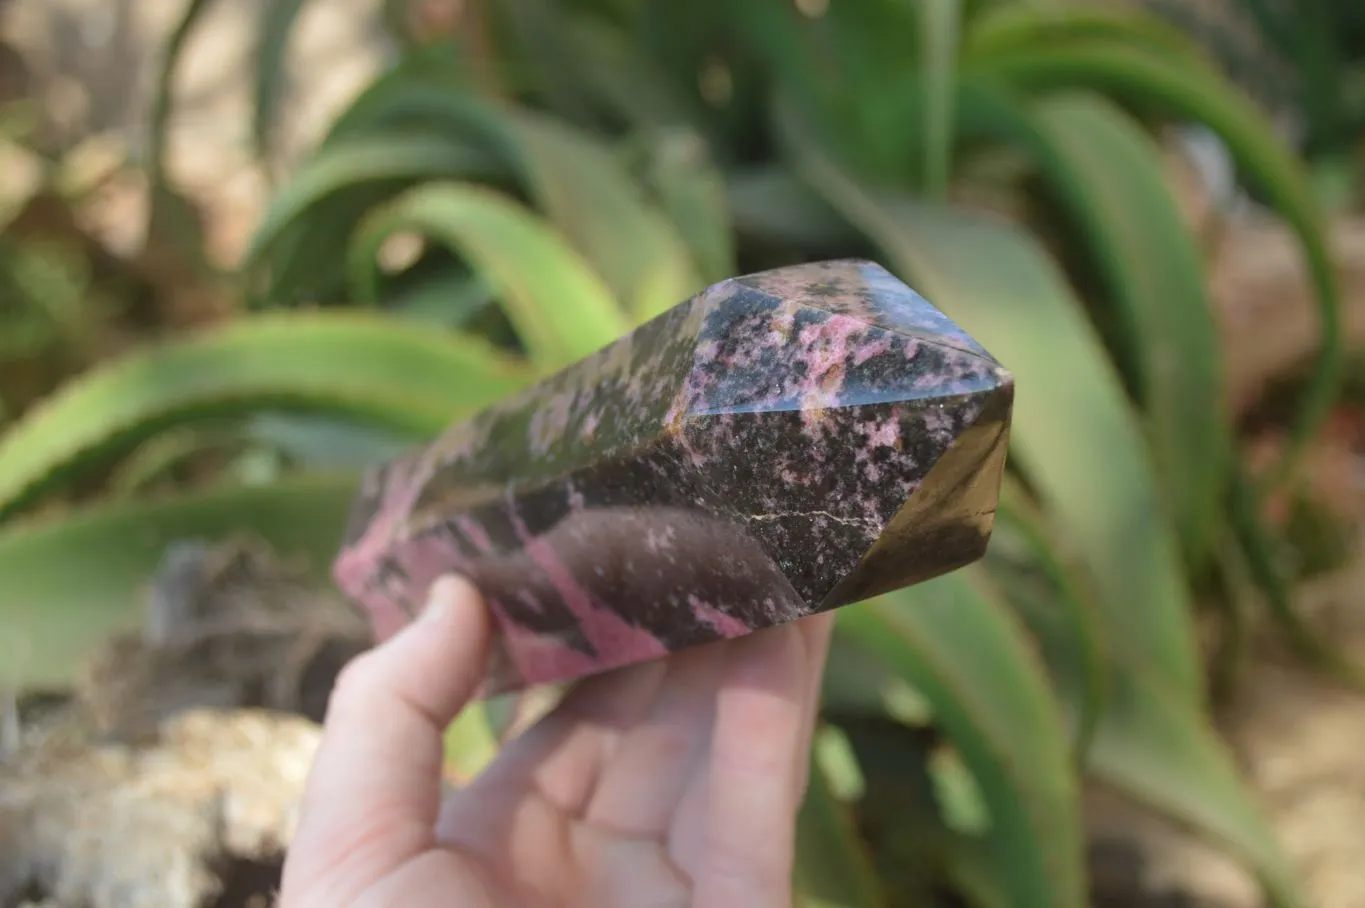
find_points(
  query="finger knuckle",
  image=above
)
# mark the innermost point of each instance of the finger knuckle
(353, 683)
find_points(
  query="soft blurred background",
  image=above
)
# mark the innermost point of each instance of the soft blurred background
(247, 247)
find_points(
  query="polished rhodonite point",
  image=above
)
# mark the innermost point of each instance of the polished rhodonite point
(777, 445)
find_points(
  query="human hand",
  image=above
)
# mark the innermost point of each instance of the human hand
(669, 783)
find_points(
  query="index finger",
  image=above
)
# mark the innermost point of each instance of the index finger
(758, 751)
(374, 790)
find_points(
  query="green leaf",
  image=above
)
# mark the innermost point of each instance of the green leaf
(956, 643)
(939, 24)
(854, 685)
(587, 69)
(571, 176)
(795, 54)
(539, 58)
(833, 751)
(960, 801)
(587, 194)
(162, 455)
(1074, 433)
(1053, 596)
(69, 582)
(323, 442)
(295, 247)
(769, 205)
(272, 41)
(697, 46)
(1110, 176)
(832, 867)
(448, 297)
(620, 77)
(855, 79)
(692, 193)
(1158, 749)
(378, 371)
(1198, 94)
(1151, 742)
(918, 858)
(359, 161)
(561, 309)
(415, 97)
(1010, 27)
(470, 744)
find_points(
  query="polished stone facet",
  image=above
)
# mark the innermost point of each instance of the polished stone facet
(778, 445)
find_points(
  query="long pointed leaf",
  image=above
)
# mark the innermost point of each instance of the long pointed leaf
(1011, 27)
(691, 190)
(561, 309)
(1200, 95)
(1158, 749)
(1150, 742)
(1065, 618)
(849, 70)
(955, 643)
(1110, 177)
(1074, 432)
(377, 371)
(576, 181)
(295, 246)
(363, 160)
(592, 201)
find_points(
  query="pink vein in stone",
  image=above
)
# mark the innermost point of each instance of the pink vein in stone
(537, 657)
(883, 433)
(540, 658)
(723, 624)
(827, 349)
(607, 631)
(827, 346)
(475, 533)
(427, 557)
(353, 570)
(870, 349)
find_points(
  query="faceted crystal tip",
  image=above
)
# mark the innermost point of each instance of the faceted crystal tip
(780, 444)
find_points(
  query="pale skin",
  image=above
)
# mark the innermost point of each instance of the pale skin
(671, 783)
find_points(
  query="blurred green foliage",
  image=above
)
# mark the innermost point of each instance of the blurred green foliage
(52, 311)
(530, 178)
(1303, 58)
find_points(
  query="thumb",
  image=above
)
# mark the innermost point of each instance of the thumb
(375, 787)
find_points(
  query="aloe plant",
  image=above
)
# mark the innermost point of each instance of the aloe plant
(628, 153)
(1305, 59)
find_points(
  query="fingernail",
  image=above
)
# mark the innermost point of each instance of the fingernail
(441, 598)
